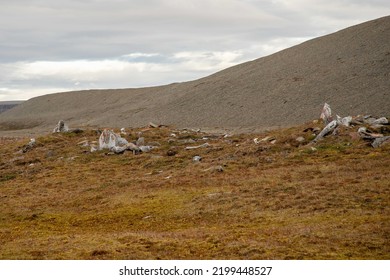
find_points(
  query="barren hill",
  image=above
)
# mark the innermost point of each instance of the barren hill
(348, 69)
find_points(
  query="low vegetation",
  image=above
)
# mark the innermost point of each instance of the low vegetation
(287, 200)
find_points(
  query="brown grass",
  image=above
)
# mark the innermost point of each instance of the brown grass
(281, 201)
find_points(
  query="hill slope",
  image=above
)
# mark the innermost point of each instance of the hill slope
(6, 105)
(348, 69)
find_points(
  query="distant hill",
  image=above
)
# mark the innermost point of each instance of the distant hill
(349, 69)
(6, 105)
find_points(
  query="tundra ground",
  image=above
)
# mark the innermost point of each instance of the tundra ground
(287, 200)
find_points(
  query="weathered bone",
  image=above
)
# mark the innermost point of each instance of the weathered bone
(326, 114)
(328, 129)
(61, 127)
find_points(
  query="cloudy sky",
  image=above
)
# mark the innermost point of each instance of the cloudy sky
(51, 46)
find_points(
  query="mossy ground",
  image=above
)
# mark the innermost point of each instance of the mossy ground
(272, 201)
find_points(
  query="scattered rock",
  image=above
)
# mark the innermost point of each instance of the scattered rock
(300, 139)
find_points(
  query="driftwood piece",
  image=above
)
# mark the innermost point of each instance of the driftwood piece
(205, 145)
(380, 141)
(328, 129)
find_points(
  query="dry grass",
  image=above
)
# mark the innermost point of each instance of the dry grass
(281, 201)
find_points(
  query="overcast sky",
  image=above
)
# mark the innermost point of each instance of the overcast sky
(49, 46)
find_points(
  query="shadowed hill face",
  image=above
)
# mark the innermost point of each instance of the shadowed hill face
(348, 69)
(7, 105)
